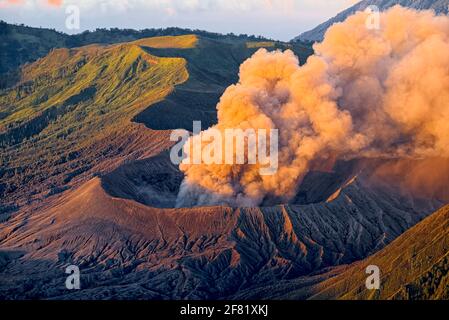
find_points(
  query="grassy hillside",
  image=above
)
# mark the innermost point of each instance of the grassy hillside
(177, 42)
(20, 44)
(62, 116)
(415, 266)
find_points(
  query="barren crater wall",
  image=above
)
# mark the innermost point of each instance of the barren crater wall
(154, 182)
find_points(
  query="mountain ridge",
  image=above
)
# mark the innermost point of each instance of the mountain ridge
(317, 34)
(67, 113)
(413, 267)
(21, 44)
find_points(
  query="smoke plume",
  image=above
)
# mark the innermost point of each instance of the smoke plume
(364, 93)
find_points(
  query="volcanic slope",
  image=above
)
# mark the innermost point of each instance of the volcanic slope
(72, 109)
(130, 250)
(21, 44)
(70, 115)
(413, 267)
(81, 183)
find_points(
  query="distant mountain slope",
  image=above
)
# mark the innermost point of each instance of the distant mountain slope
(317, 34)
(21, 44)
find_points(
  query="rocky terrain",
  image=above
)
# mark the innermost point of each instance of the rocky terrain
(126, 249)
(413, 267)
(85, 180)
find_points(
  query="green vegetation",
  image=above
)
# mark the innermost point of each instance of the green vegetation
(414, 266)
(106, 77)
(56, 121)
(432, 285)
(20, 44)
(261, 44)
(179, 42)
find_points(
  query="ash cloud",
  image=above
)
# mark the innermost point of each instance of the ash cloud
(364, 93)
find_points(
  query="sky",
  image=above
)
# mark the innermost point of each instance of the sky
(276, 19)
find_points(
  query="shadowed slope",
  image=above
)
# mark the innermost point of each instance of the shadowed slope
(72, 110)
(213, 65)
(414, 266)
(128, 250)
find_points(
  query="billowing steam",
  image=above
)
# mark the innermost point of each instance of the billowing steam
(365, 93)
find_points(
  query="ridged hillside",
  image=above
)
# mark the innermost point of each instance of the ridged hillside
(73, 108)
(72, 114)
(132, 250)
(414, 266)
